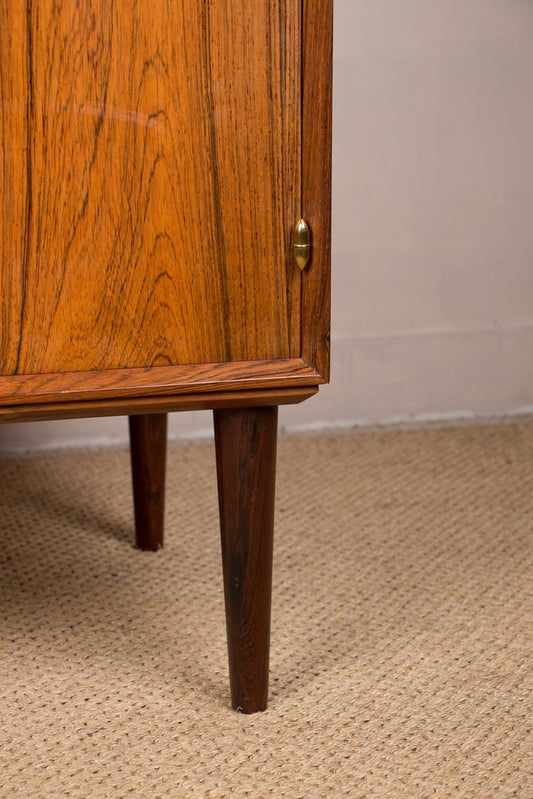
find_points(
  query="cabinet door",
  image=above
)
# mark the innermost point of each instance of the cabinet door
(150, 177)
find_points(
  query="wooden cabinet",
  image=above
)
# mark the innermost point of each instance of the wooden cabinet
(155, 158)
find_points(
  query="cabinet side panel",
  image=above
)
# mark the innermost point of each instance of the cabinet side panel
(15, 110)
(316, 180)
(165, 177)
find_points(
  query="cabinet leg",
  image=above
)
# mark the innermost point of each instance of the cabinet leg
(245, 440)
(148, 444)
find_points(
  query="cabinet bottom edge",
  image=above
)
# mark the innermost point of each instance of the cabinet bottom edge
(132, 406)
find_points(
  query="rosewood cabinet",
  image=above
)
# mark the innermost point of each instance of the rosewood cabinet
(155, 161)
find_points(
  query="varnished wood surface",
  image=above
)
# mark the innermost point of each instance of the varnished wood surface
(316, 180)
(22, 389)
(14, 174)
(150, 177)
(245, 441)
(148, 451)
(180, 402)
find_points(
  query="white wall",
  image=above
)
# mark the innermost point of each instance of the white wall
(432, 221)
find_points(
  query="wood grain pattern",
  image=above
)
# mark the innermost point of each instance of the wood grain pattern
(15, 177)
(245, 441)
(68, 386)
(180, 402)
(316, 180)
(151, 175)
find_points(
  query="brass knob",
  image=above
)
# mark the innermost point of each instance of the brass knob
(301, 244)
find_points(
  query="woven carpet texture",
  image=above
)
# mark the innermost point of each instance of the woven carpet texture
(401, 634)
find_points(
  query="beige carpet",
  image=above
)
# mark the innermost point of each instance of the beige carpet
(401, 647)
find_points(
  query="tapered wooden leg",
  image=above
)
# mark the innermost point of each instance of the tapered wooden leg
(148, 445)
(245, 440)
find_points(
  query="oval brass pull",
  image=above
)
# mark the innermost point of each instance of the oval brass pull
(301, 244)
